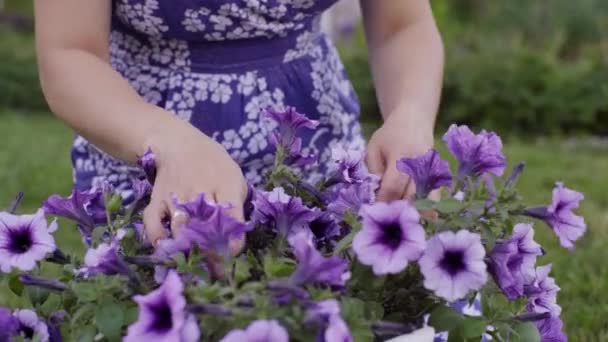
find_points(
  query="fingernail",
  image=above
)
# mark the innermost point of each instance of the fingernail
(157, 242)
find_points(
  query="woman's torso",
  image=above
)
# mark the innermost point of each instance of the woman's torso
(219, 64)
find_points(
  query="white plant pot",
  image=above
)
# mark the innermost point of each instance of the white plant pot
(422, 335)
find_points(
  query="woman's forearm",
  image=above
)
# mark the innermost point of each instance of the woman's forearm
(407, 58)
(84, 91)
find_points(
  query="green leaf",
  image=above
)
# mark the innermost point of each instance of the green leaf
(374, 311)
(241, 270)
(473, 327)
(424, 204)
(86, 334)
(109, 318)
(15, 285)
(83, 312)
(98, 233)
(444, 318)
(449, 206)
(525, 332)
(85, 292)
(278, 267)
(37, 295)
(346, 242)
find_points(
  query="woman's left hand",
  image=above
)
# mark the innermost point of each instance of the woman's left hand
(397, 138)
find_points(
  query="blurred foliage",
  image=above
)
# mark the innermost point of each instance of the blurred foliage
(515, 66)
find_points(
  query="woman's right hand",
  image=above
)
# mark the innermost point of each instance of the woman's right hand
(189, 163)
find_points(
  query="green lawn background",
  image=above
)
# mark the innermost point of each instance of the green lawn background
(34, 158)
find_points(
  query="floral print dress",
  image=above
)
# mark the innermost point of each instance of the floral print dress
(219, 64)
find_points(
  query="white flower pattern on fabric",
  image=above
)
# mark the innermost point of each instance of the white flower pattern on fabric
(149, 51)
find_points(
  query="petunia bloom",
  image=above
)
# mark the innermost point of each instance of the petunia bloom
(314, 268)
(199, 208)
(453, 264)
(349, 166)
(216, 233)
(512, 262)
(74, 207)
(259, 331)
(283, 213)
(542, 293)
(54, 285)
(325, 228)
(289, 122)
(560, 217)
(551, 330)
(351, 197)
(25, 240)
(428, 171)
(105, 260)
(162, 315)
(30, 326)
(476, 153)
(326, 315)
(148, 164)
(9, 325)
(390, 238)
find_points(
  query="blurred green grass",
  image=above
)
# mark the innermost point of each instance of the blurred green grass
(34, 158)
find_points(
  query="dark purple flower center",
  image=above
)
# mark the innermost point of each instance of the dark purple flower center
(20, 240)
(392, 235)
(515, 262)
(163, 317)
(453, 262)
(27, 332)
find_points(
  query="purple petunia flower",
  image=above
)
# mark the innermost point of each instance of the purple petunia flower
(542, 293)
(314, 268)
(105, 260)
(285, 214)
(216, 232)
(390, 238)
(142, 189)
(162, 315)
(429, 172)
(560, 217)
(551, 330)
(25, 240)
(350, 167)
(289, 122)
(476, 153)
(198, 209)
(453, 264)
(74, 207)
(326, 314)
(512, 261)
(350, 198)
(8, 324)
(324, 227)
(259, 331)
(30, 326)
(148, 164)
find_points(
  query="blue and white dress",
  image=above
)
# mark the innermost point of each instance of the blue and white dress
(218, 64)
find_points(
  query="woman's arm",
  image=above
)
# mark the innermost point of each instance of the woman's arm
(83, 90)
(406, 57)
(81, 87)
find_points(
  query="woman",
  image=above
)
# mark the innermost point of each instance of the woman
(189, 79)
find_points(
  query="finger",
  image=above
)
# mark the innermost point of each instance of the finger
(435, 195)
(392, 186)
(233, 197)
(410, 190)
(153, 216)
(178, 219)
(374, 161)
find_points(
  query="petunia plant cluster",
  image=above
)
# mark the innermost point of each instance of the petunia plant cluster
(316, 258)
